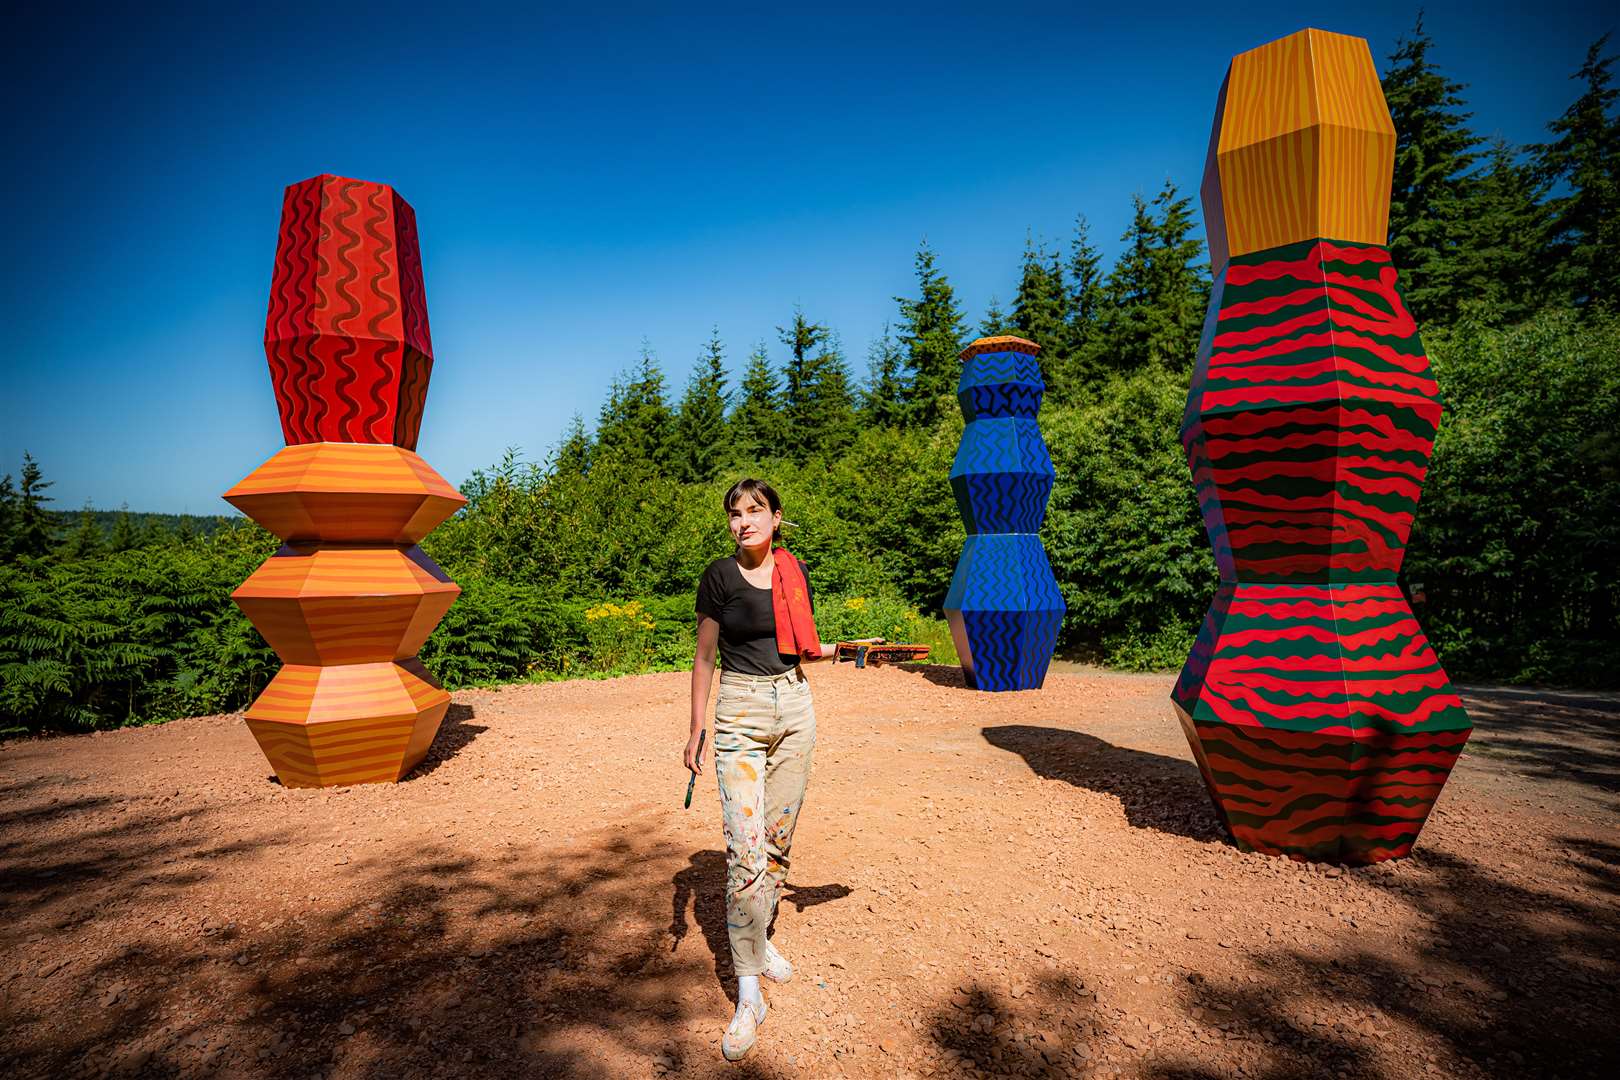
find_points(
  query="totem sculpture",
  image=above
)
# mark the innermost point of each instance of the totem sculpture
(1318, 714)
(349, 598)
(1004, 607)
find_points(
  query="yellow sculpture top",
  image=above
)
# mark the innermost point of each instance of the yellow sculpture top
(1302, 148)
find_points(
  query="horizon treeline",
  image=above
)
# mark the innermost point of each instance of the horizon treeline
(1508, 259)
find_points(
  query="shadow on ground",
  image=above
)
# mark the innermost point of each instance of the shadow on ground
(442, 964)
(1156, 792)
(1547, 735)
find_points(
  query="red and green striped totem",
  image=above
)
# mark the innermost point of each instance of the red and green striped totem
(1322, 722)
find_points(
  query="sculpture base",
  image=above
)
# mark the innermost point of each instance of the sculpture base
(351, 724)
(1320, 718)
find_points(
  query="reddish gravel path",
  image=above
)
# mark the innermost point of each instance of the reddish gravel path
(1018, 884)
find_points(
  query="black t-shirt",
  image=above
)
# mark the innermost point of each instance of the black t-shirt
(747, 619)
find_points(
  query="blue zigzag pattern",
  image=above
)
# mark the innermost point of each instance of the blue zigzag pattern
(1004, 605)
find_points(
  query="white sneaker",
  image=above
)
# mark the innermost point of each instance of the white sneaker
(743, 1030)
(777, 969)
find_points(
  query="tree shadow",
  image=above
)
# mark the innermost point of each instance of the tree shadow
(1161, 793)
(1549, 735)
(982, 1028)
(439, 964)
(1510, 979)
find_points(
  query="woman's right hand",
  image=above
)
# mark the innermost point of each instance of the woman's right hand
(694, 752)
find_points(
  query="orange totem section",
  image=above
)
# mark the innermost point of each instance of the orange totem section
(349, 599)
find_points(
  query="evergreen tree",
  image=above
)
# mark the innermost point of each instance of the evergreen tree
(1585, 158)
(996, 322)
(573, 454)
(827, 420)
(84, 541)
(8, 518)
(1498, 271)
(33, 531)
(1434, 151)
(1088, 294)
(931, 333)
(1179, 281)
(756, 422)
(1126, 330)
(701, 420)
(882, 402)
(124, 537)
(1040, 310)
(637, 422)
(802, 337)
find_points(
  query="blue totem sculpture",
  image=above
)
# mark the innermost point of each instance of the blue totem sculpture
(1004, 606)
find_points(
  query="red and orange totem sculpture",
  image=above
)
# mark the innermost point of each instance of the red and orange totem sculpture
(349, 598)
(1318, 714)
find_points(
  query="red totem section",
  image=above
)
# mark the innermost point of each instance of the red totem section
(1318, 714)
(349, 599)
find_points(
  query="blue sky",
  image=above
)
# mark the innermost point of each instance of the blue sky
(584, 182)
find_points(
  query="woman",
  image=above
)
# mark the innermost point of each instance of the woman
(755, 606)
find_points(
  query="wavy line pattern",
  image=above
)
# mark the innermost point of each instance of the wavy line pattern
(1004, 606)
(346, 335)
(1321, 718)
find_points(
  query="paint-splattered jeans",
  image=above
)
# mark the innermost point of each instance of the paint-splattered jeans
(764, 738)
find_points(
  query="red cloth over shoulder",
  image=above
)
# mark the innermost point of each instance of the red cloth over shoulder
(790, 597)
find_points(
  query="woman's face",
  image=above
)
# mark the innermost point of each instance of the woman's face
(752, 522)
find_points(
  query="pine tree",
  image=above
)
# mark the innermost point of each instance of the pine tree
(827, 421)
(84, 541)
(931, 333)
(1126, 323)
(1179, 281)
(1584, 256)
(996, 322)
(882, 401)
(1434, 151)
(1498, 271)
(701, 420)
(1040, 310)
(573, 454)
(1087, 296)
(802, 337)
(756, 422)
(8, 518)
(637, 422)
(124, 537)
(33, 532)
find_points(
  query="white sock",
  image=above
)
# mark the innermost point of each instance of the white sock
(748, 990)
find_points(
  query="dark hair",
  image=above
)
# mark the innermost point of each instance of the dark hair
(749, 488)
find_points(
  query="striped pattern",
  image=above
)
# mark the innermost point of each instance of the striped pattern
(346, 492)
(325, 605)
(347, 334)
(353, 724)
(1303, 147)
(1311, 417)
(1320, 717)
(1003, 606)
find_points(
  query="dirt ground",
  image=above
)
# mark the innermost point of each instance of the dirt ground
(1026, 884)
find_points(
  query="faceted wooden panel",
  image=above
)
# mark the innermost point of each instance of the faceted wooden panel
(346, 492)
(1302, 148)
(343, 605)
(350, 724)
